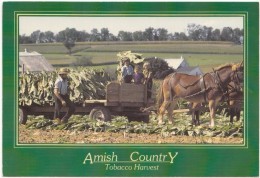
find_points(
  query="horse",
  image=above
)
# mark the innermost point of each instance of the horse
(235, 99)
(235, 93)
(210, 88)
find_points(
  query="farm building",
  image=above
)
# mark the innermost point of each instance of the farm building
(182, 66)
(33, 61)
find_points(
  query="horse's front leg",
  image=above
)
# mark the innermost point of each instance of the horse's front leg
(162, 110)
(212, 110)
(197, 115)
(232, 113)
(170, 111)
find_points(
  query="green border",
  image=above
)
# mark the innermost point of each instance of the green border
(217, 160)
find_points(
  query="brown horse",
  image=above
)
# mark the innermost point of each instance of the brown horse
(210, 87)
(235, 100)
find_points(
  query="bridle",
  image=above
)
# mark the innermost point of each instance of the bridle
(237, 81)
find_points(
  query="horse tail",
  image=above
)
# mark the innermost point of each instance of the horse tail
(160, 98)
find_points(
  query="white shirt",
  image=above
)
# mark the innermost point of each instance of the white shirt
(61, 85)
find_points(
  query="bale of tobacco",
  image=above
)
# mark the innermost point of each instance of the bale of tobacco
(37, 88)
(159, 66)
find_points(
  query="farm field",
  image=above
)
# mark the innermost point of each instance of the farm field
(203, 54)
(81, 129)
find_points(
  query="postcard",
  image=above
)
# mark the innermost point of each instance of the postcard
(138, 89)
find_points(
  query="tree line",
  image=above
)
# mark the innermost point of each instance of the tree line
(195, 32)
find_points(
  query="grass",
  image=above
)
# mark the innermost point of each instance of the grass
(197, 53)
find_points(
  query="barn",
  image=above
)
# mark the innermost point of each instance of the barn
(182, 66)
(34, 62)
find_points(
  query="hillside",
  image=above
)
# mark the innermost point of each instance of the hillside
(203, 54)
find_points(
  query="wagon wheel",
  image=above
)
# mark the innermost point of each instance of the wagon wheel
(22, 116)
(100, 113)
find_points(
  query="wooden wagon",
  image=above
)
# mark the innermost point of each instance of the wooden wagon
(121, 99)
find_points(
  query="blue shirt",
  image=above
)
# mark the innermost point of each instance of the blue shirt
(127, 70)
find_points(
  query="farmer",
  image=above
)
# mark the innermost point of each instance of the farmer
(148, 78)
(138, 75)
(127, 71)
(61, 97)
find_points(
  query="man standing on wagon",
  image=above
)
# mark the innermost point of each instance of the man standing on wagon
(61, 97)
(148, 79)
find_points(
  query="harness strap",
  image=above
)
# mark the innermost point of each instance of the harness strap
(203, 86)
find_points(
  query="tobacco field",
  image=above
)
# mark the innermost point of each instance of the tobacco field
(81, 129)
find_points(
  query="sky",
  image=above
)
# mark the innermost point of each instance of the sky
(29, 24)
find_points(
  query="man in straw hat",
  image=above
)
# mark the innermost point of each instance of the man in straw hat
(61, 97)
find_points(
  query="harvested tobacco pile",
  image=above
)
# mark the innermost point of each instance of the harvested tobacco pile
(37, 88)
(159, 66)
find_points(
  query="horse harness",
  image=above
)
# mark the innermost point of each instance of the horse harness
(204, 89)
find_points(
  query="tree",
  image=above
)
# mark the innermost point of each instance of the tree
(95, 35)
(215, 36)
(138, 36)
(82, 36)
(194, 31)
(180, 36)
(68, 33)
(125, 36)
(112, 37)
(162, 34)
(104, 34)
(206, 33)
(226, 34)
(35, 36)
(23, 39)
(42, 38)
(149, 34)
(69, 44)
(237, 33)
(49, 36)
(183, 36)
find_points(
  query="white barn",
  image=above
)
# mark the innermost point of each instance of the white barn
(182, 66)
(33, 61)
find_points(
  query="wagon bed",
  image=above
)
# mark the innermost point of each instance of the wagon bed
(121, 99)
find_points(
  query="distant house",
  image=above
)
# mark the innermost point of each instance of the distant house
(177, 63)
(33, 61)
(182, 66)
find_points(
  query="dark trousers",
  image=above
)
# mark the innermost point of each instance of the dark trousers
(128, 78)
(58, 106)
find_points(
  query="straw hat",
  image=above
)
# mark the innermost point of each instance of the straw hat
(147, 65)
(63, 71)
